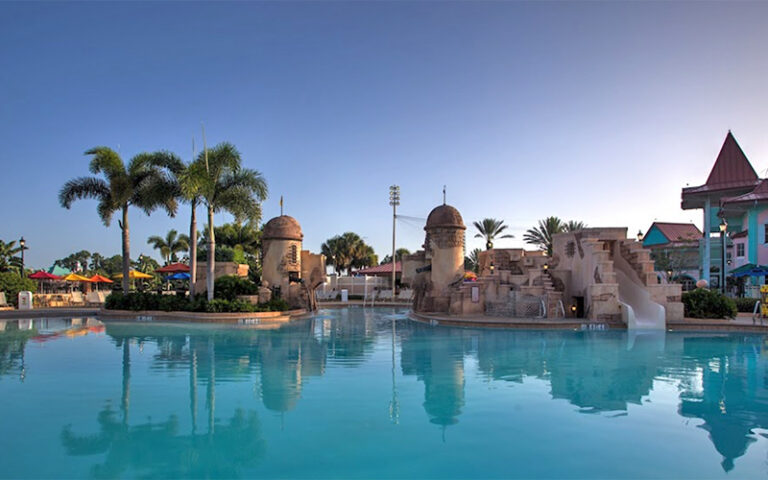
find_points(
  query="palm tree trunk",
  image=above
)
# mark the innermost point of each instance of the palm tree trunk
(126, 250)
(193, 249)
(211, 255)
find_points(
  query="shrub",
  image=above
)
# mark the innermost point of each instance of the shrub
(11, 283)
(705, 303)
(229, 287)
(746, 305)
(177, 303)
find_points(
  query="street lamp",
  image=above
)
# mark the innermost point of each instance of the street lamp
(639, 235)
(394, 201)
(545, 267)
(723, 228)
(492, 267)
(488, 245)
(23, 245)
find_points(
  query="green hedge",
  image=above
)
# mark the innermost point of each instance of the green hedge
(228, 287)
(746, 305)
(11, 283)
(137, 301)
(705, 303)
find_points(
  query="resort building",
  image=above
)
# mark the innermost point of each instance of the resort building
(675, 251)
(734, 201)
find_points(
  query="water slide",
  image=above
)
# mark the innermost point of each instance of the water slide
(638, 311)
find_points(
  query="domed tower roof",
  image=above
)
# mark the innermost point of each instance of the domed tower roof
(283, 228)
(444, 216)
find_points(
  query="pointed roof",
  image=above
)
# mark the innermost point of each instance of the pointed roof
(731, 171)
(731, 165)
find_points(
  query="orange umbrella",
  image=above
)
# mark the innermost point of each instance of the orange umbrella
(99, 279)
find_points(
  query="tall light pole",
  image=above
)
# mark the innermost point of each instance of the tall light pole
(394, 200)
(723, 228)
(23, 245)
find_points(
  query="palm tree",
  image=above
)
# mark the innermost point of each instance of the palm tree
(139, 183)
(347, 251)
(399, 253)
(490, 229)
(221, 182)
(8, 259)
(573, 225)
(473, 262)
(170, 245)
(541, 236)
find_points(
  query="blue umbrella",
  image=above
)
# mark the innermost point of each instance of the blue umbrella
(178, 276)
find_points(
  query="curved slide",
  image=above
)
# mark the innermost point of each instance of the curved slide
(638, 311)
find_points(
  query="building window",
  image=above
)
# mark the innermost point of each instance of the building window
(294, 254)
(739, 249)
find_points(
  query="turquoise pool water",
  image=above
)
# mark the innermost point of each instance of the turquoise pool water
(369, 394)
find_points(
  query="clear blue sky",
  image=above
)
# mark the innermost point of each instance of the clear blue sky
(595, 111)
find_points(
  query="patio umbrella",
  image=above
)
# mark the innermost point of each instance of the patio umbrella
(132, 274)
(178, 276)
(97, 279)
(73, 277)
(173, 268)
(43, 275)
(756, 271)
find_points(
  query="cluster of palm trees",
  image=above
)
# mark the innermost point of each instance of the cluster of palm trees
(215, 179)
(348, 251)
(169, 245)
(541, 236)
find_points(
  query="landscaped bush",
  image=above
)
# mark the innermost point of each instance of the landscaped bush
(746, 305)
(705, 303)
(139, 301)
(229, 287)
(11, 283)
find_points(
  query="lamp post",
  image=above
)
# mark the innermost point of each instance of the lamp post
(394, 200)
(492, 268)
(23, 245)
(723, 228)
(640, 236)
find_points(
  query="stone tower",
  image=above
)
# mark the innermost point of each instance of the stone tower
(281, 252)
(444, 245)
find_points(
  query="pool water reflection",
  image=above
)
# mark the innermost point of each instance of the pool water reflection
(368, 393)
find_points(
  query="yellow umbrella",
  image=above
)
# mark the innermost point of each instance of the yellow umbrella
(73, 277)
(133, 274)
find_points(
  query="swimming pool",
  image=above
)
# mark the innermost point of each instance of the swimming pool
(367, 393)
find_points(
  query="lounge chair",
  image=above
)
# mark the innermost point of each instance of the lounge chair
(385, 295)
(94, 299)
(405, 295)
(76, 299)
(4, 305)
(332, 295)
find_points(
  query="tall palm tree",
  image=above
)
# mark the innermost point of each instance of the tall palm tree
(170, 245)
(139, 183)
(541, 236)
(490, 229)
(221, 182)
(574, 225)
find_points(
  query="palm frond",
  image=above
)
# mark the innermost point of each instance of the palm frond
(83, 187)
(107, 161)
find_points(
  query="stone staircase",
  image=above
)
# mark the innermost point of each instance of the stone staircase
(640, 260)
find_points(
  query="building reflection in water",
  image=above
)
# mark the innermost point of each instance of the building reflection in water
(722, 378)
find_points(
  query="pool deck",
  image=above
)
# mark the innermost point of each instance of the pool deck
(742, 323)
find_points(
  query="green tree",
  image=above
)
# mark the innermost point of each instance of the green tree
(472, 262)
(573, 225)
(348, 251)
(139, 183)
(97, 262)
(74, 260)
(399, 253)
(218, 177)
(541, 236)
(9, 259)
(491, 229)
(169, 245)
